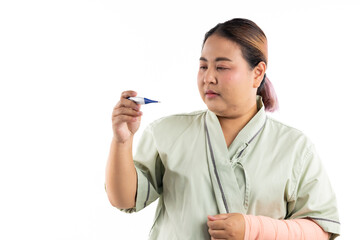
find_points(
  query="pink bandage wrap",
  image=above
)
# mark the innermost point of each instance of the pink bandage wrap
(260, 227)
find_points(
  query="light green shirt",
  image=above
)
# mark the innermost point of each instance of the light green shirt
(270, 169)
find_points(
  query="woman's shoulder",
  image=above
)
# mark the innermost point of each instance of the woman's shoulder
(288, 141)
(179, 118)
(285, 133)
(281, 126)
(177, 122)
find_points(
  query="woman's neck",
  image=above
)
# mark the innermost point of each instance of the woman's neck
(231, 126)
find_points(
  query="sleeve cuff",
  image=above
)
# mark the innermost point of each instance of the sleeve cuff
(328, 225)
(142, 193)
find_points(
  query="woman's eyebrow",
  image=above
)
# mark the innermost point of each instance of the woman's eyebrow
(216, 59)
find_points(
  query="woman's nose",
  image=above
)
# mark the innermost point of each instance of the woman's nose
(209, 76)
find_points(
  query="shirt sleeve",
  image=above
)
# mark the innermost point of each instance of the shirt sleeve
(313, 196)
(149, 170)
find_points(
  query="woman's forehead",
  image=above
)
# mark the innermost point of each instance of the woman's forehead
(219, 48)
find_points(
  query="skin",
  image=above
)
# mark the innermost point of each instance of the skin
(226, 226)
(224, 71)
(228, 87)
(120, 177)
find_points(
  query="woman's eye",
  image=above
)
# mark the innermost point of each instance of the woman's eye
(221, 68)
(203, 67)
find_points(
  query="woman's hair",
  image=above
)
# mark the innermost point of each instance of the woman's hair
(253, 44)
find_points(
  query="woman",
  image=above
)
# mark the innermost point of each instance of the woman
(229, 172)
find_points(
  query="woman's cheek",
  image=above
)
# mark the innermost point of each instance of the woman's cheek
(228, 76)
(232, 83)
(200, 84)
(200, 78)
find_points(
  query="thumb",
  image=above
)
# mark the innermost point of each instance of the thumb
(218, 217)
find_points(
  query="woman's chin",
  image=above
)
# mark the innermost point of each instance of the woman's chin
(215, 108)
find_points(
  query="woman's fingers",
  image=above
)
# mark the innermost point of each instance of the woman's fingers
(218, 234)
(121, 115)
(124, 102)
(216, 225)
(216, 229)
(127, 94)
(124, 119)
(126, 111)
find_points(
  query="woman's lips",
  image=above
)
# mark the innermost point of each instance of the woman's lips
(211, 94)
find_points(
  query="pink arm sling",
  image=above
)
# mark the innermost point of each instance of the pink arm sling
(260, 227)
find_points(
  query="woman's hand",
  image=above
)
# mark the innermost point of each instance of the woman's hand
(126, 117)
(227, 226)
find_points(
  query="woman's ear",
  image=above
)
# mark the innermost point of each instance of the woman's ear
(258, 74)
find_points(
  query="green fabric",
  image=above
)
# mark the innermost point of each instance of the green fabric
(278, 174)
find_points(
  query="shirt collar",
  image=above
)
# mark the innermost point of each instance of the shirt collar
(247, 134)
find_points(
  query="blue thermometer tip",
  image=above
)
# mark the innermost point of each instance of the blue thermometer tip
(146, 100)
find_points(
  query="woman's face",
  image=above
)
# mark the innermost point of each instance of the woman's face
(226, 83)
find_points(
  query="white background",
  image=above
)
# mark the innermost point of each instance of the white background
(64, 64)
